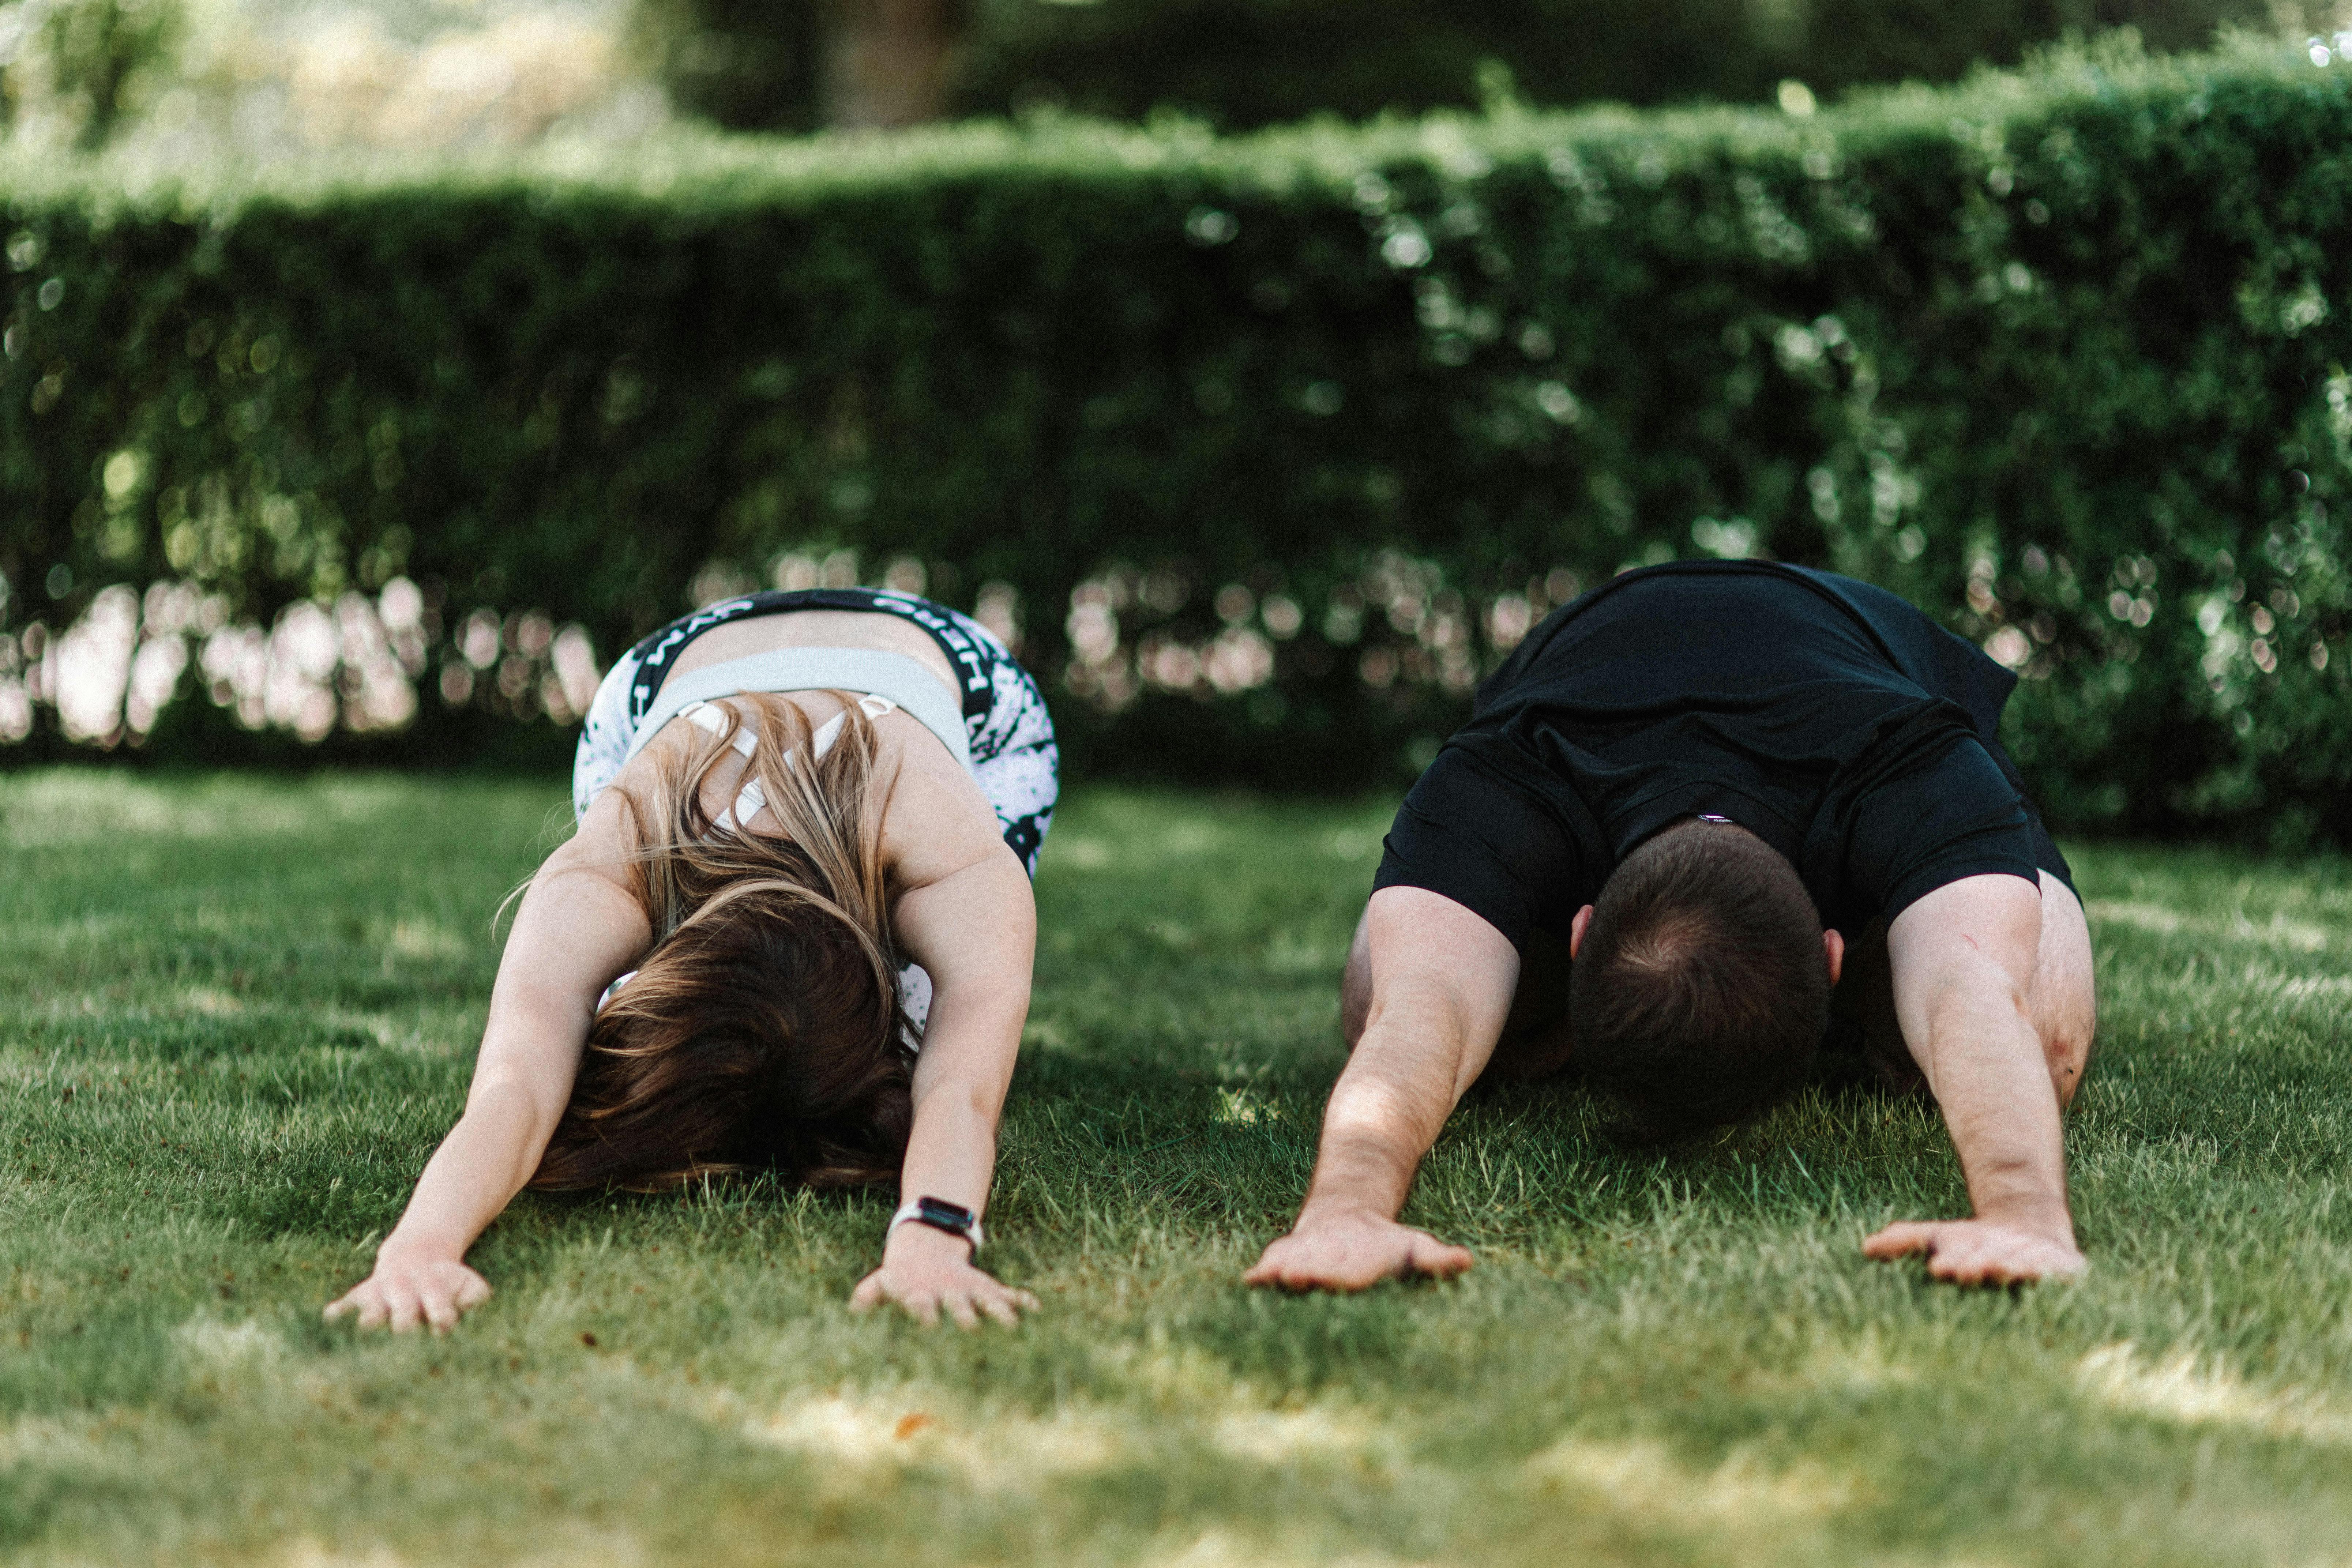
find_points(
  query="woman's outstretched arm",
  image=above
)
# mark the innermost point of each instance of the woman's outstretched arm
(974, 928)
(578, 927)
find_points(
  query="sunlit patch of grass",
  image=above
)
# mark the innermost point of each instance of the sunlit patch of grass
(240, 1011)
(2193, 1392)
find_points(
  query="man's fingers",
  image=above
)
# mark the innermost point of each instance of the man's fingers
(1902, 1238)
(342, 1305)
(1287, 1270)
(868, 1294)
(472, 1292)
(1431, 1257)
(1975, 1252)
(926, 1309)
(1977, 1268)
(1268, 1268)
(1024, 1300)
(1982, 1264)
(1001, 1310)
(1303, 1277)
(959, 1309)
(1355, 1258)
(1956, 1267)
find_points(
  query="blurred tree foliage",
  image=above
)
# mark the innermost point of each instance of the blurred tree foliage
(1270, 443)
(795, 65)
(1255, 62)
(1243, 63)
(72, 70)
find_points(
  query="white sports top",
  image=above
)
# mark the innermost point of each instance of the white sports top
(906, 682)
(753, 800)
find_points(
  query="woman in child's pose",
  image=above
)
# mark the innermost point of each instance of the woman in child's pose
(807, 824)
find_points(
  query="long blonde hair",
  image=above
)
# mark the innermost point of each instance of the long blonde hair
(762, 1028)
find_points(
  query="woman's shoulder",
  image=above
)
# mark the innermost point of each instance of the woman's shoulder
(937, 819)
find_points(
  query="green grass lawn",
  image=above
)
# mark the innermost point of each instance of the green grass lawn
(236, 1013)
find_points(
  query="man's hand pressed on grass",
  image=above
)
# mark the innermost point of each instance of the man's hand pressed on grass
(1353, 1250)
(1429, 1026)
(1701, 777)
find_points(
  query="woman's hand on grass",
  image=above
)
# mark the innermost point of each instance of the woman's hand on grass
(1353, 1252)
(928, 1272)
(406, 1293)
(1981, 1252)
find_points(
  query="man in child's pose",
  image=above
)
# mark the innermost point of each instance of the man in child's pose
(1726, 791)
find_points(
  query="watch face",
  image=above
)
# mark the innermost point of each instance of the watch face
(940, 1212)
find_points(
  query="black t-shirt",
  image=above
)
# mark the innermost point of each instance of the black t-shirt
(1828, 717)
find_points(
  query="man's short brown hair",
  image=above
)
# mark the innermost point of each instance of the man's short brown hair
(1699, 993)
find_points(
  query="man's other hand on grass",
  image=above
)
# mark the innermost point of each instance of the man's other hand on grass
(1354, 1252)
(412, 1292)
(1430, 984)
(1983, 1252)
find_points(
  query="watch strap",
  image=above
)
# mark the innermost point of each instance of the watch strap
(940, 1214)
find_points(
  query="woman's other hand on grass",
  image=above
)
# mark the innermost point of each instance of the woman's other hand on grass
(929, 1272)
(1980, 1252)
(1353, 1252)
(406, 1293)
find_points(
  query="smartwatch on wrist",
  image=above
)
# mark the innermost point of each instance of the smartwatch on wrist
(940, 1214)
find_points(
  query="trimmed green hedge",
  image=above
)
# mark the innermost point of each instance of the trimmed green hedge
(1275, 440)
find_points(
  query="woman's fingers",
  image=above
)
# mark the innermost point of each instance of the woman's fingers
(439, 1305)
(966, 1297)
(403, 1310)
(435, 1297)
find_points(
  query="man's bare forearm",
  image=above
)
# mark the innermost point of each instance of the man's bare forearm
(1990, 1079)
(1961, 959)
(1375, 1132)
(1386, 1111)
(1442, 979)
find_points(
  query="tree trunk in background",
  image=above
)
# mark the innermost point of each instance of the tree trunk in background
(887, 62)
